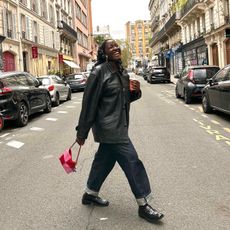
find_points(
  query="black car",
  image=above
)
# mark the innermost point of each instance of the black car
(20, 96)
(192, 80)
(76, 81)
(216, 94)
(158, 74)
(1, 122)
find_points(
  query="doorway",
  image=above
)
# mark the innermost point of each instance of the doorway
(8, 61)
(215, 58)
(228, 51)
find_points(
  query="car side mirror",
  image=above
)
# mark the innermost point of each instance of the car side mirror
(210, 81)
(38, 83)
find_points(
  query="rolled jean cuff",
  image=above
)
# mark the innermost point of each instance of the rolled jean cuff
(91, 192)
(143, 201)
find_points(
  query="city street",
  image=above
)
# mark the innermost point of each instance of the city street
(185, 152)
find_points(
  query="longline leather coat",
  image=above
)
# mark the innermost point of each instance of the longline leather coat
(105, 105)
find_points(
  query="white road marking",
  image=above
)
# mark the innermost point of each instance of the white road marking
(227, 130)
(191, 108)
(15, 144)
(62, 112)
(215, 122)
(77, 102)
(105, 218)
(70, 106)
(51, 119)
(203, 115)
(4, 135)
(37, 129)
(48, 157)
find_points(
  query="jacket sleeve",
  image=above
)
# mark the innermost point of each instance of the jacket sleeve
(90, 101)
(135, 95)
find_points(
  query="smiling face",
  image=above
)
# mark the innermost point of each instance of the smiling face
(112, 50)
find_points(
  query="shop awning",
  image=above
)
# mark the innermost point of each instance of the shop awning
(71, 64)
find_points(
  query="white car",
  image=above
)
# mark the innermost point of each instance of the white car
(58, 88)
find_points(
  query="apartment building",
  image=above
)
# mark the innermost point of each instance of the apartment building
(83, 25)
(42, 36)
(138, 34)
(193, 32)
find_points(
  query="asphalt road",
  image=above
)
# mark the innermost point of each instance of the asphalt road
(186, 154)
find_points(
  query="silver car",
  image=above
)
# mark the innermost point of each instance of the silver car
(58, 88)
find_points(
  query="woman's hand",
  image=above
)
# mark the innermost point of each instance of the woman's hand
(134, 85)
(80, 141)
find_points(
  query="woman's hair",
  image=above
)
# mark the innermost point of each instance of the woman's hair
(101, 56)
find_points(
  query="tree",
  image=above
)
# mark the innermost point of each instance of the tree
(125, 52)
(99, 39)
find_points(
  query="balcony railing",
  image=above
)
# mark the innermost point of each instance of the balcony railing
(9, 33)
(189, 5)
(69, 31)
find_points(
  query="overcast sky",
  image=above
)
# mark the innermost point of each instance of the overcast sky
(116, 13)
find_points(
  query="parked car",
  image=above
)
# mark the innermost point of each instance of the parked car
(76, 81)
(1, 122)
(20, 96)
(158, 74)
(192, 80)
(216, 94)
(58, 88)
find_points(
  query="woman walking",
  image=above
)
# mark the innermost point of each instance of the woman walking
(105, 109)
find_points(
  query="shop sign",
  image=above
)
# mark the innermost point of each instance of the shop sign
(60, 57)
(34, 51)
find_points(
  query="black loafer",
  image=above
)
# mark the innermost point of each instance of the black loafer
(96, 200)
(148, 213)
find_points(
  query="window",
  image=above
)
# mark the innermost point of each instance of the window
(51, 14)
(21, 80)
(211, 17)
(34, 5)
(43, 9)
(23, 26)
(35, 32)
(78, 11)
(9, 23)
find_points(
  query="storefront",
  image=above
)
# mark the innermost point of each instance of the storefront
(195, 52)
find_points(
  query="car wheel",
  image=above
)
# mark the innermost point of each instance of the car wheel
(206, 105)
(176, 92)
(23, 115)
(48, 104)
(187, 99)
(57, 100)
(1, 123)
(69, 97)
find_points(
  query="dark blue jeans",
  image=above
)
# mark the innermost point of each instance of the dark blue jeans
(126, 156)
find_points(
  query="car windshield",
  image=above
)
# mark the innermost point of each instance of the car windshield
(205, 73)
(75, 76)
(45, 81)
(159, 70)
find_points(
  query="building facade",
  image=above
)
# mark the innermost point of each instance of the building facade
(41, 37)
(190, 32)
(138, 34)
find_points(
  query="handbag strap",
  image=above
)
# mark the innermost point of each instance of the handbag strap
(79, 150)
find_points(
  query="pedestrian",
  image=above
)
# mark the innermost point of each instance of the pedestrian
(105, 109)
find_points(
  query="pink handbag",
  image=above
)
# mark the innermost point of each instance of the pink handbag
(66, 160)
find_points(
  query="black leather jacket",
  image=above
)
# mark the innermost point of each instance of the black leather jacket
(105, 105)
